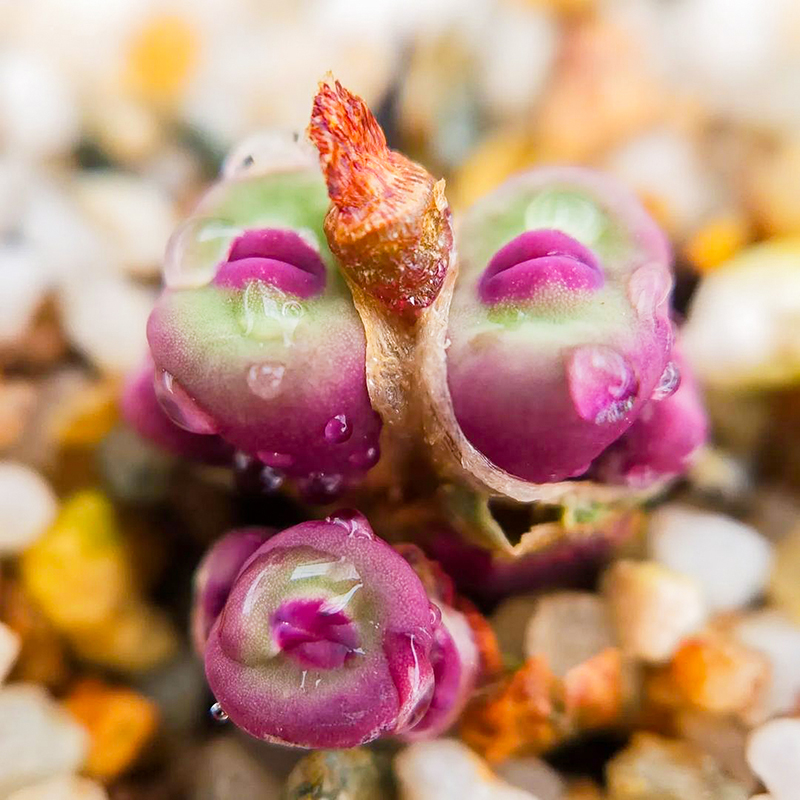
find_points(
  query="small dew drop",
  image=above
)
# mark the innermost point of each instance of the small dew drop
(265, 379)
(194, 251)
(218, 713)
(180, 407)
(668, 383)
(614, 412)
(353, 522)
(649, 289)
(292, 309)
(338, 429)
(263, 152)
(436, 615)
(271, 479)
(241, 461)
(602, 384)
(365, 459)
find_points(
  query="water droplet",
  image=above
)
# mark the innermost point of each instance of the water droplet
(265, 379)
(366, 459)
(271, 479)
(218, 714)
(338, 429)
(354, 522)
(668, 383)
(436, 615)
(182, 409)
(602, 384)
(264, 151)
(241, 460)
(648, 289)
(267, 314)
(273, 459)
(292, 309)
(195, 250)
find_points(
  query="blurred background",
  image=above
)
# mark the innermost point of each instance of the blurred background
(115, 114)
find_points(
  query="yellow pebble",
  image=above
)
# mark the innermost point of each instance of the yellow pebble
(136, 638)
(717, 241)
(771, 185)
(88, 416)
(77, 572)
(120, 723)
(495, 159)
(162, 58)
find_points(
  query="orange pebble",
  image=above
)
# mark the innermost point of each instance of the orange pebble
(518, 715)
(718, 674)
(594, 690)
(120, 723)
(717, 241)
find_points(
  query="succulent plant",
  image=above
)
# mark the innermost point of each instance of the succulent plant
(454, 653)
(326, 636)
(661, 442)
(521, 359)
(216, 574)
(255, 338)
(559, 328)
(324, 639)
(539, 353)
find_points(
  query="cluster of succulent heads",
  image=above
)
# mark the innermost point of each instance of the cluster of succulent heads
(324, 312)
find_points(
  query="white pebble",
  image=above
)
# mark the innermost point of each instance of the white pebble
(38, 112)
(653, 608)
(668, 166)
(730, 560)
(740, 331)
(27, 506)
(535, 776)
(9, 650)
(135, 215)
(67, 245)
(106, 319)
(23, 284)
(38, 738)
(776, 636)
(446, 769)
(515, 52)
(773, 753)
(567, 629)
(510, 621)
(65, 787)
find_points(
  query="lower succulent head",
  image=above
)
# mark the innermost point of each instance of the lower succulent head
(454, 653)
(560, 331)
(325, 638)
(255, 337)
(215, 576)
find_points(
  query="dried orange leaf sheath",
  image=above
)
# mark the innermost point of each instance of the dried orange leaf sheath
(389, 223)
